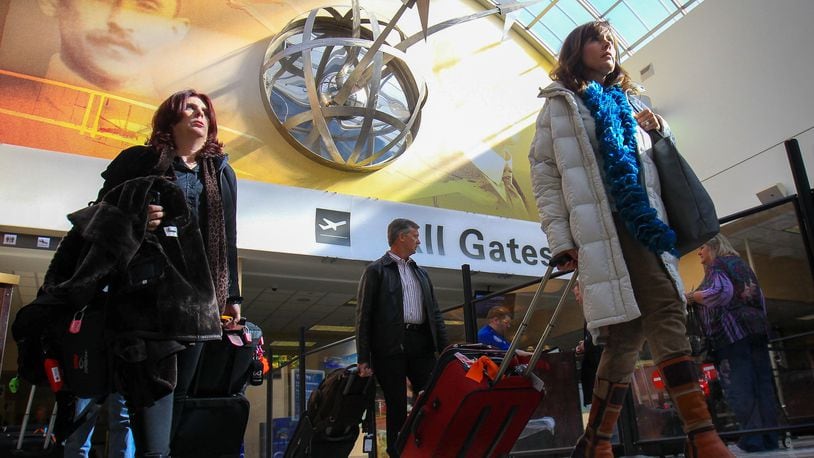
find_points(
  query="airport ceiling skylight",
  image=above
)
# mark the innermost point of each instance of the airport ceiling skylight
(636, 21)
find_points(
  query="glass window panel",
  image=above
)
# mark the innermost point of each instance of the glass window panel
(575, 11)
(545, 35)
(602, 5)
(655, 33)
(537, 8)
(626, 23)
(771, 243)
(652, 12)
(633, 19)
(559, 23)
(525, 17)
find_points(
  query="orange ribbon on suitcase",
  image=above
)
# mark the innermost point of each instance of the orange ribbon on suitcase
(482, 365)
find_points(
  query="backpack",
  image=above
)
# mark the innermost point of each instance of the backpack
(335, 408)
(38, 330)
(42, 331)
(84, 354)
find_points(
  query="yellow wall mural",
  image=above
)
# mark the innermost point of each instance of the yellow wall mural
(84, 76)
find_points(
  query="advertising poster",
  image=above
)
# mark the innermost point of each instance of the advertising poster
(444, 128)
(313, 378)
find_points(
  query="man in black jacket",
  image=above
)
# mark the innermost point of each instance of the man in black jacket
(399, 327)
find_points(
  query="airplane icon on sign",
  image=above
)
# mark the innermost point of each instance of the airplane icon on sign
(330, 225)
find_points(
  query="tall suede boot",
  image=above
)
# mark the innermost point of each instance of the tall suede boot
(605, 408)
(681, 379)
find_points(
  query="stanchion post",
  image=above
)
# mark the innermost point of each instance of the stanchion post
(470, 318)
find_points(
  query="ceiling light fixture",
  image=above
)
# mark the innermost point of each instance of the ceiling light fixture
(331, 328)
(290, 343)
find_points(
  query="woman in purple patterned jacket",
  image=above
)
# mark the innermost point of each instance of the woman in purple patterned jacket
(733, 315)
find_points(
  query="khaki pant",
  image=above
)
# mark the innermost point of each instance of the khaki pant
(662, 324)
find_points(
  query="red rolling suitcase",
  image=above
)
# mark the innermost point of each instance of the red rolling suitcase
(472, 407)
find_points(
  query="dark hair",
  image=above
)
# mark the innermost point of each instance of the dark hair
(397, 227)
(570, 71)
(167, 116)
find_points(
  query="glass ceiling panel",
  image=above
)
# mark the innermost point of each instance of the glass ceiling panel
(652, 12)
(559, 22)
(626, 23)
(543, 33)
(538, 8)
(575, 11)
(602, 5)
(635, 21)
(525, 16)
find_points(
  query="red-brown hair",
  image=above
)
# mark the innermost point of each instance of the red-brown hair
(169, 113)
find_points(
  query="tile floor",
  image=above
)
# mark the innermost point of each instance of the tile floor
(802, 447)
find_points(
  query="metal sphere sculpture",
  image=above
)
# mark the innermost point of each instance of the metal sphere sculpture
(339, 91)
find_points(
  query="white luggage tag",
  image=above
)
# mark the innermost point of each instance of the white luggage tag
(171, 231)
(464, 360)
(537, 382)
(367, 445)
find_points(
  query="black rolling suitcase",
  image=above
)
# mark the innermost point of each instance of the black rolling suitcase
(211, 427)
(213, 417)
(330, 425)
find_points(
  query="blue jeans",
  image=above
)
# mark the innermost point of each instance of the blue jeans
(153, 425)
(745, 373)
(120, 443)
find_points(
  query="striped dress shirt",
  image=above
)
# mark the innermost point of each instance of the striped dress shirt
(411, 291)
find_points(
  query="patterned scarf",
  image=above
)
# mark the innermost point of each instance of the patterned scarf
(616, 133)
(215, 231)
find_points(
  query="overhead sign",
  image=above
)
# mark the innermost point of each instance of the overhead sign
(310, 222)
(332, 227)
(288, 219)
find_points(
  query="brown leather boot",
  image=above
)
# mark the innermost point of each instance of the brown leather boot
(681, 379)
(605, 408)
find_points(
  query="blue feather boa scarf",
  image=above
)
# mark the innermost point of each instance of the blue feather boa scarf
(616, 132)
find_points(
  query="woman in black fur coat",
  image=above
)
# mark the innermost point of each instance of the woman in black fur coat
(183, 148)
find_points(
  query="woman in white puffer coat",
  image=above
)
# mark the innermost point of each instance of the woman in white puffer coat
(597, 191)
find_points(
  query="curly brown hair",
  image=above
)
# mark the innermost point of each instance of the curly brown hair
(570, 70)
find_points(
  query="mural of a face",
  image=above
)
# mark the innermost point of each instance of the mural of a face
(108, 43)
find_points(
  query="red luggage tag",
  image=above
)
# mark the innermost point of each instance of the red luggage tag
(54, 374)
(483, 365)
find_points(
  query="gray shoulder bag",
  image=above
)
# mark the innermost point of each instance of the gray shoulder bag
(689, 208)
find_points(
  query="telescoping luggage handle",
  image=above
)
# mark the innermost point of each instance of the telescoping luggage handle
(538, 350)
